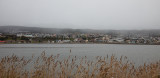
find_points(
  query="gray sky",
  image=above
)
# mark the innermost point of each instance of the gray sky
(90, 14)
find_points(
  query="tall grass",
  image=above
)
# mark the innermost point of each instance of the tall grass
(73, 67)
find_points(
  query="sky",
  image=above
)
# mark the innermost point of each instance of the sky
(81, 14)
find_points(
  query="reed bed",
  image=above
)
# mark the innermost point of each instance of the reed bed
(73, 67)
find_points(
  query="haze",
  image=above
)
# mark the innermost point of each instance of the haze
(81, 14)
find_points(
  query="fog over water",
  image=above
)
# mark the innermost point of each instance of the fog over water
(90, 14)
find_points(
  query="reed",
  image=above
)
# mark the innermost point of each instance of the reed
(73, 67)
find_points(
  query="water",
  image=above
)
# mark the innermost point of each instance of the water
(136, 53)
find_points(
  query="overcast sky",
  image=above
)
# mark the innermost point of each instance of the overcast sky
(90, 14)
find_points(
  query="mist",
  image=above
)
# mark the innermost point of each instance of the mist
(81, 14)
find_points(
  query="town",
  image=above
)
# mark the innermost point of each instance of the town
(27, 37)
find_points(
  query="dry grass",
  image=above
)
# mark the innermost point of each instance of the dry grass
(72, 67)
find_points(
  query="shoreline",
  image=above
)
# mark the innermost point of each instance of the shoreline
(82, 43)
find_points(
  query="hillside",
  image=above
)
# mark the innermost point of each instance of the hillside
(16, 29)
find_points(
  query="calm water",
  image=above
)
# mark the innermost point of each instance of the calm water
(136, 53)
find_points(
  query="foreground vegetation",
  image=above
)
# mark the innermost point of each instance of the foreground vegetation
(74, 67)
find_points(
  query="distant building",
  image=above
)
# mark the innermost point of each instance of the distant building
(134, 40)
(66, 41)
(28, 35)
(19, 35)
(75, 40)
(116, 40)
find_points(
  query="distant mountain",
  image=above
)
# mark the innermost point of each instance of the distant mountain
(16, 29)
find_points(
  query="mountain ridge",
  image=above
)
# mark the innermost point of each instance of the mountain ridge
(16, 29)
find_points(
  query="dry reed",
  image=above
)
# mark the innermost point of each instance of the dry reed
(72, 67)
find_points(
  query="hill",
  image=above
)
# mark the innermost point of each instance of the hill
(16, 29)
